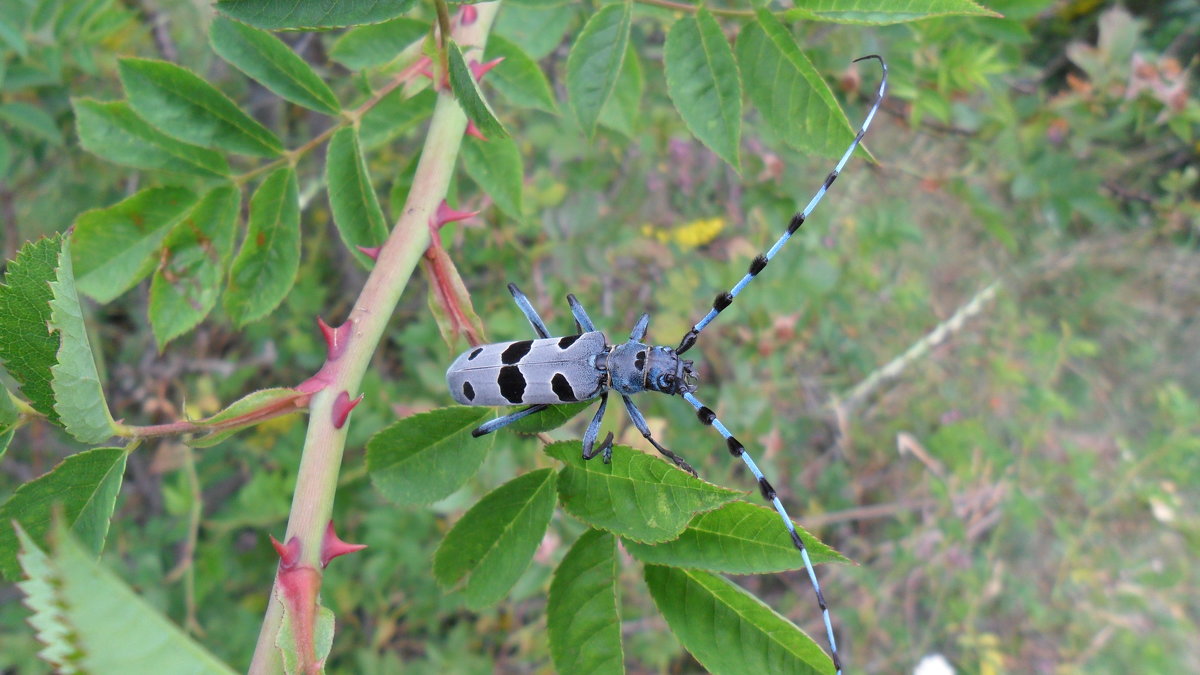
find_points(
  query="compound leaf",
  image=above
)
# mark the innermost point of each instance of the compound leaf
(91, 621)
(595, 62)
(425, 457)
(272, 63)
(636, 496)
(727, 629)
(352, 197)
(792, 97)
(738, 538)
(494, 542)
(115, 247)
(181, 104)
(582, 616)
(265, 268)
(702, 79)
(311, 14)
(193, 262)
(113, 132)
(84, 486)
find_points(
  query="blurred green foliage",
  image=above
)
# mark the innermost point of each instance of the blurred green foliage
(1041, 515)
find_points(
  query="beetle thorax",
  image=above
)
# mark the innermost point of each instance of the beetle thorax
(634, 367)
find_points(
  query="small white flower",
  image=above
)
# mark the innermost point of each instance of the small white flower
(933, 664)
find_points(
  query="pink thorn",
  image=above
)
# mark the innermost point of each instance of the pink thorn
(445, 214)
(427, 69)
(342, 407)
(481, 69)
(336, 339)
(469, 15)
(332, 547)
(473, 130)
(371, 252)
(288, 555)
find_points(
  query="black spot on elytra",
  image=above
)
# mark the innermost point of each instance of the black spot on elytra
(562, 388)
(515, 352)
(512, 383)
(639, 361)
(468, 391)
(565, 342)
(475, 353)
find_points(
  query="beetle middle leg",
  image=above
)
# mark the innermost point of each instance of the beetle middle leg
(640, 422)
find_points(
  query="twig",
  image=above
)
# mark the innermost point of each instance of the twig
(298, 578)
(858, 395)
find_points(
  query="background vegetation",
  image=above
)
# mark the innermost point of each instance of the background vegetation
(1020, 496)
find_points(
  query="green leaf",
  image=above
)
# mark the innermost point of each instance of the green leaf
(6, 154)
(375, 45)
(495, 164)
(245, 411)
(426, 457)
(311, 14)
(582, 616)
(883, 12)
(466, 92)
(91, 621)
(518, 78)
(181, 104)
(265, 268)
(623, 111)
(637, 496)
(539, 30)
(12, 33)
(28, 349)
(9, 416)
(78, 395)
(738, 538)
(31, 119)
(266, 59)
(114, 133)
(393, 115)
(702, 79)
(494, 542)
(595, 62)
(352, 198)
(194, 258)
(115, 247)
(84, 486)
(792, 97)
(727, 629)
(551, 418)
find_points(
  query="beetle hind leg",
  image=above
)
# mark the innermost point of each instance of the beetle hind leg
(501, 422)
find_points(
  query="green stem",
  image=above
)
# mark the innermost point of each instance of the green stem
(312, 502)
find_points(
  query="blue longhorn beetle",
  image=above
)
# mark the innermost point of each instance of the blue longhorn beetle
(554, 370)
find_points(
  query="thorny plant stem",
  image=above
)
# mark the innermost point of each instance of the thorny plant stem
(312, 502)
